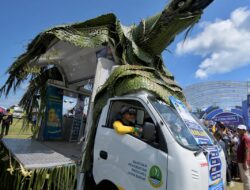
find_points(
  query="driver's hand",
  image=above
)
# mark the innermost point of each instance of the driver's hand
(138, 129)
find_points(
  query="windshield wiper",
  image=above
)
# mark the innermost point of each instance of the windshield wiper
(202, 149)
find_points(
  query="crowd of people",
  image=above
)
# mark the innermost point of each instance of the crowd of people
(235, 142)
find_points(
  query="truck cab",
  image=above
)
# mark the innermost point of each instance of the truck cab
(165, 156)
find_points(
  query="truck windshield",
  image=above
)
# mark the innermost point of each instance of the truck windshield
(176, 125)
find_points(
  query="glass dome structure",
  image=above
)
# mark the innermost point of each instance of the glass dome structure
(224, 94)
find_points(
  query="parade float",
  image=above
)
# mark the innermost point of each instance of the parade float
(100, 59)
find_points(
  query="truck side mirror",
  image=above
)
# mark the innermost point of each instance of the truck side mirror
(149, 131)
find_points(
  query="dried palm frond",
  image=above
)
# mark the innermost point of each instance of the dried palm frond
(14, 176)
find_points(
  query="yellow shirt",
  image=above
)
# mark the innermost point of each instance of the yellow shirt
(213, 129)
(122, 129)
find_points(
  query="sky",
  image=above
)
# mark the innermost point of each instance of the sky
(217, 48)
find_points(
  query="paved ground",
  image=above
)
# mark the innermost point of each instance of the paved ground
(236, 186)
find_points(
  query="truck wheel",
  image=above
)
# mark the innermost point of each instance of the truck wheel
(106, 185)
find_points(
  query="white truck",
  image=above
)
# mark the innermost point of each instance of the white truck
(174, 152)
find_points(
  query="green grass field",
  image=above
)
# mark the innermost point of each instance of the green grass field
(16, 131)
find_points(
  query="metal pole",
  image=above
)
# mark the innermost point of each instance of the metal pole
(80, 181)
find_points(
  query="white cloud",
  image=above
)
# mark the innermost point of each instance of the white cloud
(224, 44)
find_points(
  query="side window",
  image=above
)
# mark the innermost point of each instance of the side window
(115, 112)
(150, 132)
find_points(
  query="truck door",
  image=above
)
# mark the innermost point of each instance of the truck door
(128, 161)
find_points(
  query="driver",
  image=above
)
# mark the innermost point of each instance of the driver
(125, 124)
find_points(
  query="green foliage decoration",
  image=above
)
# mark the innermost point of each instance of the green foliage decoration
(14, 176)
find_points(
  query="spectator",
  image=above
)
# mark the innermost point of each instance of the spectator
(34, 117)
(225, 142)
(211, 127)
(1, 116)
(243, 156)
(7, 121)
(220, 128)
(221, 143)
(234, 165)
(226, 137)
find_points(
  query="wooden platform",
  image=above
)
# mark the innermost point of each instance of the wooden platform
(35, 154)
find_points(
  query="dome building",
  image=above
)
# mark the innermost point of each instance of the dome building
(224, 94)
(224, 101)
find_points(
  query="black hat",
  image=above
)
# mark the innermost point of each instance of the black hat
(220, 124)
(129, 110)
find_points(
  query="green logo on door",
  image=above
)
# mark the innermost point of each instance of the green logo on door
(155, 176)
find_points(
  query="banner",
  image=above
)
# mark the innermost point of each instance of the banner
(53, 114)
(215, 169)
(201, 137)
(194, 127)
